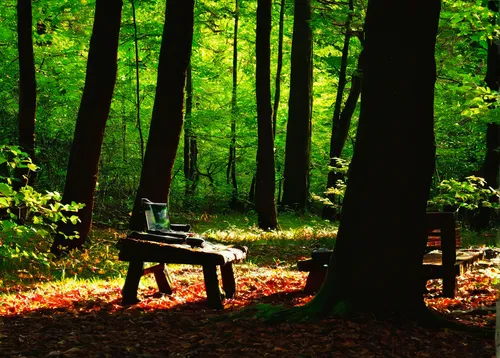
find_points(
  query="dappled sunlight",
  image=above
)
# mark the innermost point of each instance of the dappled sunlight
(79, 296)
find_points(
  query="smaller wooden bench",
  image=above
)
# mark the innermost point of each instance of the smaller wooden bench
(447, 263)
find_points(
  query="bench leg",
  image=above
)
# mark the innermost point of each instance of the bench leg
(228, 282)
(163, 279)
(214, 294)
(315, 279)
(129, 291)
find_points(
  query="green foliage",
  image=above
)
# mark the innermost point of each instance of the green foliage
(61, 38)
(338, 191)
(27, 216)
(471, 194)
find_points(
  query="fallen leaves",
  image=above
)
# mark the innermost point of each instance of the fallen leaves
(85, 318)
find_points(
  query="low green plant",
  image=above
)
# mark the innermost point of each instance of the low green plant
(27, 216)
(338, 191)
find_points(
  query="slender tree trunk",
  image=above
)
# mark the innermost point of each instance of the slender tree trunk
(190, 143)
(167, 118)
(377, 248)
(137, 84)
(298, 139)
(94, 110)
(27, 87)
(265, 204)
(491, 166)
(336, 142)
(277, 91)
(231, 167)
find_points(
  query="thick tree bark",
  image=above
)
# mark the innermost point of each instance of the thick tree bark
(377, 260)
(190, 143)
(167, 118)
(265, 179)
(231, 165)
(27, 87)
(298, 139)
(491, 166)
(94, 110)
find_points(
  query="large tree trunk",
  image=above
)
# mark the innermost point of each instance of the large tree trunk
(491, 166)
(231, 165)
(298, 139)
(265, 179)
(167, 118)
(377, 259)
(94, 110)
(27, 87)
(190, 143)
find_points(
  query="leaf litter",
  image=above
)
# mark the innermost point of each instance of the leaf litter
(77, 318)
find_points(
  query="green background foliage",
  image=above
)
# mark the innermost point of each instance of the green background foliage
(62, 32)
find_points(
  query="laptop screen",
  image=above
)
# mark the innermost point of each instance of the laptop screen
(156, 216)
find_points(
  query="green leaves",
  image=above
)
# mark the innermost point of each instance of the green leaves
(471, 194)
(32, 215)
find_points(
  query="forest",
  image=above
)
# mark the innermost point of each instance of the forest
(282, 126)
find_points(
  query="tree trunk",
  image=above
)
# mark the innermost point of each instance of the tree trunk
(491, 166)
(27, 87)
(231, 165)
(94, 110)
(279, 66)
(265, 204)
(340, 129)
(377, 260)
(298, 139)
(190, 144)
(137, 84)
(167, 118)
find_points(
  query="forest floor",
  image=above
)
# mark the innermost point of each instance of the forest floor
(82, 316)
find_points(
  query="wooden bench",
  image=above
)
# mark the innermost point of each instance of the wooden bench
(138, 251)
(161, 244)
(447, 263)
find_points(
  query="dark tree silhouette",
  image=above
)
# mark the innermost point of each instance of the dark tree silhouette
(341, 119)
(167, 118)
(279, 66)
(265, 178)
(27, 86)
(94, 110)
(377, 259)
(298, 138)
(190, 143)
(231, 165)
